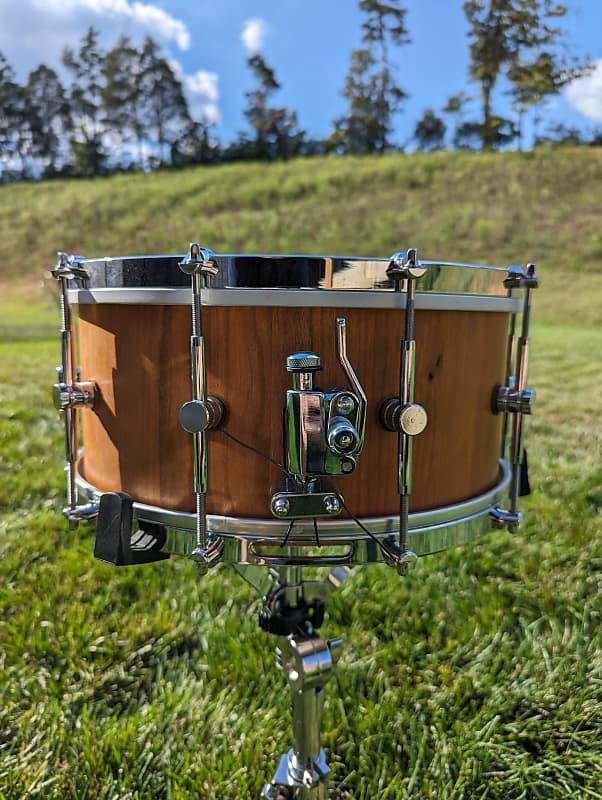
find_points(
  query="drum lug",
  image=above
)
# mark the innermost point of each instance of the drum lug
(515, 400)
(70, 393)
(197, 416)
(78, 395)
(202, 413)
(401, 414)
(506, 399)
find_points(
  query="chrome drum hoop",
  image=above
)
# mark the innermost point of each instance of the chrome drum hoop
(258, 541)
(123, 279)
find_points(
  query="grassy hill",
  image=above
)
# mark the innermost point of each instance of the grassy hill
(543, 206)
(478, 676)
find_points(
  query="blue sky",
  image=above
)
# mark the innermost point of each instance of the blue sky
(307, 42)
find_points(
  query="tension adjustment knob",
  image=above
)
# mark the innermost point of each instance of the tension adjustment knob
(197, 416)
(413, 419)
(303, 362)
(410, 419)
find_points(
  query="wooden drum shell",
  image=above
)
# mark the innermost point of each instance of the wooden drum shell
(140, 359)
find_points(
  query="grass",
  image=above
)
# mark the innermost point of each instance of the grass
(478, 676)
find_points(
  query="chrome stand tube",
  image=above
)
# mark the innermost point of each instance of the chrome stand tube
(293, 609)
(307, 662)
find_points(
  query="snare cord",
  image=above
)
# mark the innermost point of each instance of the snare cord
(385, 550)
(288, 533)
(257, 452)
(316, 533)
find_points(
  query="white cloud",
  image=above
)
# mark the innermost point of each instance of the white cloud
(148, 16)
(202, 89)
(202, 92)
(253, 35)
(204, 84)
(585, 94)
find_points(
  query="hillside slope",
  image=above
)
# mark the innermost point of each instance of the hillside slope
(500, 208)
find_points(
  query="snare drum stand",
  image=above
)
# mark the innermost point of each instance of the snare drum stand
(293, 609)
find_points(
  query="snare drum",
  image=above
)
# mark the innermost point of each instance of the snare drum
(134, 334)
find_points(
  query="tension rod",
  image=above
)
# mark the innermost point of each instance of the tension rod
(70, 393)
(403, 414)
(202, 412)
(515, 398)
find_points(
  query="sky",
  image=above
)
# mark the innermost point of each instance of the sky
(308, 44)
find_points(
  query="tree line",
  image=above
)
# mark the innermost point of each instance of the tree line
(126, 107)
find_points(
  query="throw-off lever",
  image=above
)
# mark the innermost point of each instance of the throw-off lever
(324, 434)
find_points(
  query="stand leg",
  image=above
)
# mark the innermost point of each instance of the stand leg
(307, 661)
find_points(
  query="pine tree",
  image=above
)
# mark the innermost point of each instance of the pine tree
(164, 105)
(371, 90)
(85, 98)
(538, 70)
(50, 115)
(429, 132)
(15, 118)
(276, 130)
(515, 38)
(122, 96)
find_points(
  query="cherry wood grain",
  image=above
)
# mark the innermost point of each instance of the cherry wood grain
(139, 356)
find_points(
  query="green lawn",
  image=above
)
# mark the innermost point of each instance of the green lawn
(478, 676)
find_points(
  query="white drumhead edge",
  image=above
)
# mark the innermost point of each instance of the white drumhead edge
(296, 298)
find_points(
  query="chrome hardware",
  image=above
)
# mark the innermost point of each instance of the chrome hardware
(324, 435)
(502, 518)
(292, 611)
(515, 399)
(412, 419)
(289, 501)
(403, 414)
(403, 560)
(197, 416)
(307, 663)
(324, 430)
(202, 412)
(79, 395)
(511, 400)
(69, 393)
(431, 531)
(280, 506)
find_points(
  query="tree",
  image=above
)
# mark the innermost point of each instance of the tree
(537, 70)
(517, 39)
(15, 118)
(371, 90)
(429, 132)
(122, 96)
(50, 117)
(163, 103)
(277, 132)
(194, 146)
(85, 98)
